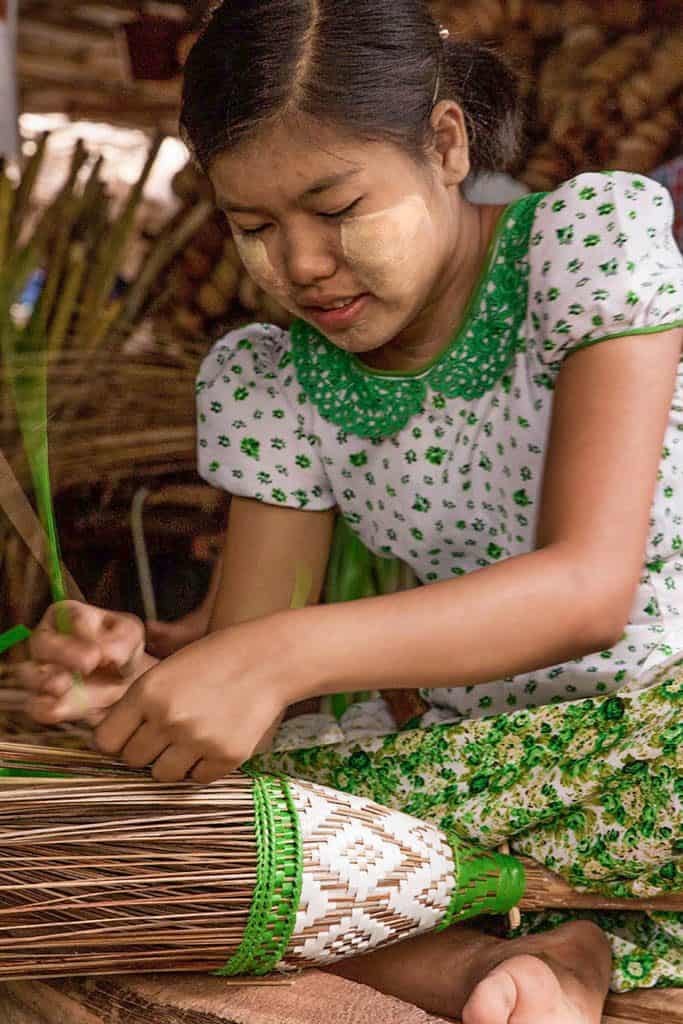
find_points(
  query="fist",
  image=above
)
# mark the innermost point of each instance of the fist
(105, 649)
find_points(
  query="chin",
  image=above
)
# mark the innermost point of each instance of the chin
(363, 337)
(355, 344)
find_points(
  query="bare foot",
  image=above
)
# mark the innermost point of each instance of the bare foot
(564, 983)
(559, 977)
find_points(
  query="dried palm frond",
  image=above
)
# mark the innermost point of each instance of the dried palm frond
(104, 872)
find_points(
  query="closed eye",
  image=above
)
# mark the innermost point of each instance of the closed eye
(347, 209)
(252, 231)
(329, 216)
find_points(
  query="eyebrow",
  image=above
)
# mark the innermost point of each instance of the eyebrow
(320, 186)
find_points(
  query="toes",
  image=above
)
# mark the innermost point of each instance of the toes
(493, 1000)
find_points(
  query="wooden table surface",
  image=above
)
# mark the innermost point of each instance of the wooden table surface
(197, 999)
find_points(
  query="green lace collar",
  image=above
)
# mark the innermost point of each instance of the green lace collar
(373, 403)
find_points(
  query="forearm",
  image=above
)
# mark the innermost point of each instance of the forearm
(522, 614)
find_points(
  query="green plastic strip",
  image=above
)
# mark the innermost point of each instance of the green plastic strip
(12, 637)
(486, 882)
(275, 902)
(28, 773)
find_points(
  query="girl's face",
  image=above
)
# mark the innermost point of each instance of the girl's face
(353, 237)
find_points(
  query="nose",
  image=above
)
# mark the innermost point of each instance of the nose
(308, 256)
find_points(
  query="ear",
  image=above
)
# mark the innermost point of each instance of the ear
(450, 145)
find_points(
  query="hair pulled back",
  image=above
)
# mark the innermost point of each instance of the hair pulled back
(372, 68)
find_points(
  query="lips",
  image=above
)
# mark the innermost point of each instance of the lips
(329, 304)
(338, 318)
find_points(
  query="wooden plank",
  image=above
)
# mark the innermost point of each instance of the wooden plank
(545, 890)
(24, 1002)
(621, 1020)
(646, 1006)
(76, 73)
(197, 999)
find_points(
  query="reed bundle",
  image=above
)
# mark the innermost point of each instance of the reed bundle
(70, 257)
(106, 872)
(67, 322)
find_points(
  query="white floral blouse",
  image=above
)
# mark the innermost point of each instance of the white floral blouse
(443, 468)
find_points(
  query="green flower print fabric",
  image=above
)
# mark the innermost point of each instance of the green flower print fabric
(256, 431)
(608, 262)
(592, 789)
(443, 469)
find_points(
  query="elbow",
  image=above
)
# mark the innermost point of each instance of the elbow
(603, 632)
(603, 611)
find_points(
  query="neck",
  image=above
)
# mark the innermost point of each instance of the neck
(431, 332)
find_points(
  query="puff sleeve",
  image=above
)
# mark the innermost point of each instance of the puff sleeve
(255, 431)
(603, 263)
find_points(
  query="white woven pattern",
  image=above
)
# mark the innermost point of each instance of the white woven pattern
(371, 876)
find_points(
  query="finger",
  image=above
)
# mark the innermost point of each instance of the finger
(47, 710)
(40, 678)
(211, 770)
(121, 723)
(144, 746)
(174, 764)
(58, 685)
(122, 642)
(84, 638)
(41, 710)
(90, 700)
(71, 652)
(72, 617)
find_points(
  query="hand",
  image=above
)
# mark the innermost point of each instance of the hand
(206, 709)
(105, 648)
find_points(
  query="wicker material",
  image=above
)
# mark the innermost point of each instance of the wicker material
(372, 876)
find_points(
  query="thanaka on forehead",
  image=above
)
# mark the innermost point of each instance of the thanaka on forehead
(322, 185)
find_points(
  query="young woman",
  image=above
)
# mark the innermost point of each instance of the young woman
(490, 393)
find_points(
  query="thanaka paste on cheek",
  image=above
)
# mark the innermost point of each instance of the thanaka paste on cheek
(385, 250)
(254, 256)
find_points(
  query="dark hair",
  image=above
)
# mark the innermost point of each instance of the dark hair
(373, 68)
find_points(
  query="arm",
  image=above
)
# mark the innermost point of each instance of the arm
(264, 546)
(569, 597)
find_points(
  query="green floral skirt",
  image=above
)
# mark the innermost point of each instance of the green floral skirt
(592, 789)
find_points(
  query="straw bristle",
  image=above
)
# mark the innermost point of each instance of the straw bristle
(106, 872)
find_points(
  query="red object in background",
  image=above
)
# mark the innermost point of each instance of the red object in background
(152, 46)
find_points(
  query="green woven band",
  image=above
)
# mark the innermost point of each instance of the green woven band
(485, 882)
(275, 902)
